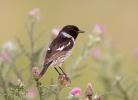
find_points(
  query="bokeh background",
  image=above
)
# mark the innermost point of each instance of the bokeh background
(120, 18)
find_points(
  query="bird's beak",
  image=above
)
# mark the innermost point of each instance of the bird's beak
(81, 31)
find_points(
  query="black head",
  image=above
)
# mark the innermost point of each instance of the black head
(72, 30)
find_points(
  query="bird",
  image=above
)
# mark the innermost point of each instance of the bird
(60, 48)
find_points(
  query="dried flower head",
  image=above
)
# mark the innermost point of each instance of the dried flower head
(76, 91)
(63, 79)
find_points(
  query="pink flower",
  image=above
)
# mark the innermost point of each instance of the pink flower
(35, 70)
(99, 29)
(99, 98)
(76, 91)
(35, 13)
(136, 53)
(5, 56)
(96, 53)
(89, 86)
(31, 93)
(55, 32)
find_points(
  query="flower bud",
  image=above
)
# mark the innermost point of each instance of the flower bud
(99, 29)
(35, 13)
(89, 91)
(35, 71)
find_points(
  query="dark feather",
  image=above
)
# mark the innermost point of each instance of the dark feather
(44, 69)
(60, 41)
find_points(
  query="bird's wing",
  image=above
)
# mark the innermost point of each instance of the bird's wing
(57, 48)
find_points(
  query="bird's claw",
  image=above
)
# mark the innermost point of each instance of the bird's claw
(63, 79)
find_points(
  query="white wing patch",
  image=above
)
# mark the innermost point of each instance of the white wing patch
(48, 49)
(68, 44)
(61, 48)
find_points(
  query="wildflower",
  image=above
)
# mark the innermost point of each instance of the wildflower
(5, 56)
(35, 71)
(136, 53)
(76, 91)
(55, 32)
(31, 93)
(99, 98)
(99, 29)
(35, 13)
(89, 91)
(9, 46)
(96, 53)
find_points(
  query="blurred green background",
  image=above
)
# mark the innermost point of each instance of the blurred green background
(120, 17)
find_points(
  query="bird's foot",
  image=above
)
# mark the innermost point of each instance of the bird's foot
(63, 79)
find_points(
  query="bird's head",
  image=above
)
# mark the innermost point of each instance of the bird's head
(72, 30)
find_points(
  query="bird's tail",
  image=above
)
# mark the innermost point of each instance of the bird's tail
(44, 69)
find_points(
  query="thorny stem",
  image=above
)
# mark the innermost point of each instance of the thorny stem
(58, 91)
(40, 89)
(123, 91)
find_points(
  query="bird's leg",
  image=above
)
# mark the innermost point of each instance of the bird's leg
(57, 71)
(62, 70)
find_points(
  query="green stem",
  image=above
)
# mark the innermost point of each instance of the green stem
(4, 85)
